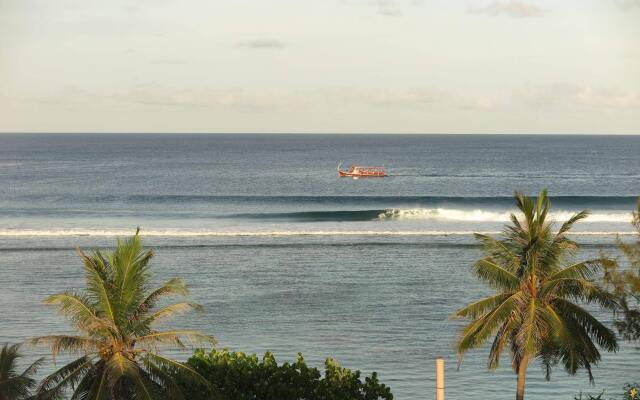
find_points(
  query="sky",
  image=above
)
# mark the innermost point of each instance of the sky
(326, 66)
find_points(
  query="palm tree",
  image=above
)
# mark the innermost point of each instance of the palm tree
(15, 386)
(536, 311)
(115, 317)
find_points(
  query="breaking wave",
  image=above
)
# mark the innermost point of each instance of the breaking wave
(433, 214)
(445, 214)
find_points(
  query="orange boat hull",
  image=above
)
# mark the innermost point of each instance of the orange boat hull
(361, 174)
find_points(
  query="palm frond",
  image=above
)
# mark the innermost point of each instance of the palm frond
(54, 385)
(476, 333)
(96, 262)
(568, 224)
(67, 344)
(171, 311)
(146, 389)
(84, 390)
(171, 287)
(500, 340)
(99, 288)
(118, 366)
(604, 336)
(524, 204)
(480, 307)
(579, 289)
(164, 379)
(80, 311)
(14, 385)
(174, 338)
(32, 369)
(542, 207)
(123, 372)
(574, 349)
(495, 275)
(584, 270)
(184, 370)
(130, 265)
(8, 356)
(530, 333)
(497, 249)
(101, 385)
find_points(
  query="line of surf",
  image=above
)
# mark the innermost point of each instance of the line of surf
(211, 233)
(426, 214)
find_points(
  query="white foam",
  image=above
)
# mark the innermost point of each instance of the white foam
(477, 215)
(208, 233)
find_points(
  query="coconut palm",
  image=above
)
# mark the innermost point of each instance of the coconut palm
(14, 385)
(537, 310)
(118, 345)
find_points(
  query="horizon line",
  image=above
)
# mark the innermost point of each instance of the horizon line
(317, 133)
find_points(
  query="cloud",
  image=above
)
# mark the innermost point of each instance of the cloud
(386, 8)
(169, 61)
(564, 95)
(476, 103)
(514, 8)
(168, 97)
(262, 44)
(561, 96)
(157, 96)
(401, 97)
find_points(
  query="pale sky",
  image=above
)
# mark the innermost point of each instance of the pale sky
(379, 66)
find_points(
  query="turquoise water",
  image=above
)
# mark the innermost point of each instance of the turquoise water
(287, 257)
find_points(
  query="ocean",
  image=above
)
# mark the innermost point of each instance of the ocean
(286, 256)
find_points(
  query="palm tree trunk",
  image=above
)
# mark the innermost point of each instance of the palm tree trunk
(522, 376)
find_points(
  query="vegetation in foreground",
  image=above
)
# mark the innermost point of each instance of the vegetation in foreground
(630, 392)
(622, 277)
(244, 377)
(534, 313)
(115, 317)
(14, 385)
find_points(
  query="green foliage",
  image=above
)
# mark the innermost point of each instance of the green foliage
(537, 310)
(239, 376)
(590, 396)
(114, 317)
(14, 385)
(623, 279)
(630, 392)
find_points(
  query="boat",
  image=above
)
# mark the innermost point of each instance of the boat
(361, 171)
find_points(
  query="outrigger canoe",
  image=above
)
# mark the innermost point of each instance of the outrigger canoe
(360, 171)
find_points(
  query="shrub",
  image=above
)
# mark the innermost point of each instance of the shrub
(239, 376)
(631, 392)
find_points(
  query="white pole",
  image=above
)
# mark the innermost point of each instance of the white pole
(440, 379)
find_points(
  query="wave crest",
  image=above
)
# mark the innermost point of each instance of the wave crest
(478, 215)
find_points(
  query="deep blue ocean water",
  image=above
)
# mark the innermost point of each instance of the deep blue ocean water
(286, 256)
